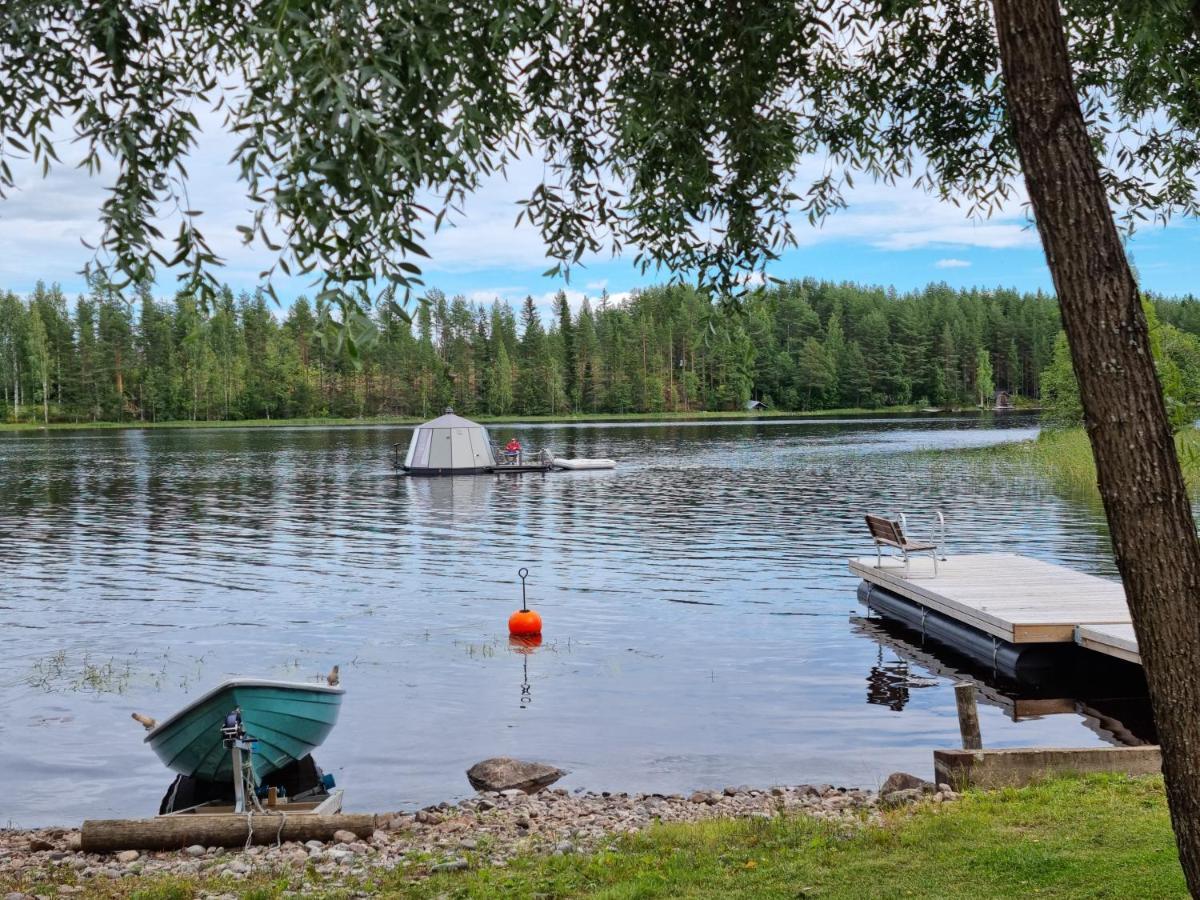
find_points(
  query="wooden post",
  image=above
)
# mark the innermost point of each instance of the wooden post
(968, 715)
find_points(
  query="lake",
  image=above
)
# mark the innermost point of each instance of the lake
(701, 628)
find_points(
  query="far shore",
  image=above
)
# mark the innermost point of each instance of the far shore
(598, 418)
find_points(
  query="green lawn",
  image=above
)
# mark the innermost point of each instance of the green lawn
(1100, 837)
(1103, 836)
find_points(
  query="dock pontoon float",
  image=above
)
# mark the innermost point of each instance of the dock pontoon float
(452, 445)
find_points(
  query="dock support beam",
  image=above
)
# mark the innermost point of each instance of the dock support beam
(968, 715)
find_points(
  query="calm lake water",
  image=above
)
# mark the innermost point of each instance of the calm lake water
(701, 628)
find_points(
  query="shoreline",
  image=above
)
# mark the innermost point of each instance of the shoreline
(489, 829)
(665, 418)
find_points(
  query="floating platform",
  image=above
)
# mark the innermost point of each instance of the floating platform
(1114, 640)
(1013, 599)
(519, 468)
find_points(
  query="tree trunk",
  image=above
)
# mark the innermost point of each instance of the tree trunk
(1145, 499)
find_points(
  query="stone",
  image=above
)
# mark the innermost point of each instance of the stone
(314, 845)
(16, 895)
(503, 773)
(39, 844)
(344, 837)
(902, 781)
(901, 797)
(429, 818)
(195, 851)
(485, 804)
(454, 865)
(127, 856)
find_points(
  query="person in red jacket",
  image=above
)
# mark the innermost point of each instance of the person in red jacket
(512, 451)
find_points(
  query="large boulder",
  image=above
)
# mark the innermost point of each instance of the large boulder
(502, 773)
(902, 781)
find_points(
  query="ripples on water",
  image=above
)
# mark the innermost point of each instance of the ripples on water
(701, 628)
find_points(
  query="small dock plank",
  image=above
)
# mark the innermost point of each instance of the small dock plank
(1015, 598)
(1115, 640)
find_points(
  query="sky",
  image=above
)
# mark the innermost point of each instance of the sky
(889, 235)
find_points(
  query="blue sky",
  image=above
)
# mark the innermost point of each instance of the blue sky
(889, 235)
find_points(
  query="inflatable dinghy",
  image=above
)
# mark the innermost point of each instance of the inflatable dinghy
(579, 464)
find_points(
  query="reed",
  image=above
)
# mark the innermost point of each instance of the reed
(1064, 456)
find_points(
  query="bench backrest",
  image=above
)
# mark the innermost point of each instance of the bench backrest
(885, 531)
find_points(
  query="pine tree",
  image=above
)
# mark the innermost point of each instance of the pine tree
(532, 370)
(566, 332)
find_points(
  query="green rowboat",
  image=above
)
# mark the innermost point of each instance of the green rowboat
(287, 719)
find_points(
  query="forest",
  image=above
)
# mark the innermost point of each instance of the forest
(801, 345)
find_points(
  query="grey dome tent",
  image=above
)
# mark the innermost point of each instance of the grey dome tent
(450, 445)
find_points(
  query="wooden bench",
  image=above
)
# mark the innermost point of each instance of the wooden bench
(890, 533)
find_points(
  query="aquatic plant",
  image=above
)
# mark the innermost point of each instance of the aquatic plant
(1064, 457)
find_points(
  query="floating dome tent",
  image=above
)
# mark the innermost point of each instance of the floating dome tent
(450, 445)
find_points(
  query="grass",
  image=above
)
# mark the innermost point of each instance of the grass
(1064, 456)
(1101, 836)
(497, 420)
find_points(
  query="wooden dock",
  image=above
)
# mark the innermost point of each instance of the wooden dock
(1014, 598)
(1116, 640)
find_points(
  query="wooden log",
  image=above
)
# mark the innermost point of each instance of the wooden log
(968, 716)
(177, 832)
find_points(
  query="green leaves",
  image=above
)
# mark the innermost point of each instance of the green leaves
(693, 135)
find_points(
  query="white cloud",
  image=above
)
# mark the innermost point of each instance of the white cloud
(42, 223)
(952, 263)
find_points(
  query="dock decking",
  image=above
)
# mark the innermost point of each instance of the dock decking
(1116, 640)
(1015, 598)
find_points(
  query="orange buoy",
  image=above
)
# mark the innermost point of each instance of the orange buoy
(524, 622)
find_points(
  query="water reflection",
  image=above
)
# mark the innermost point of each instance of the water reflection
(704, 577)
(889, 682)
(525, 646)
(1121, 718)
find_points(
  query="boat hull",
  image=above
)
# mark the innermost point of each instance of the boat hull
(287, 720)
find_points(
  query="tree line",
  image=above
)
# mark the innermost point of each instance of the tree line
(802, 345)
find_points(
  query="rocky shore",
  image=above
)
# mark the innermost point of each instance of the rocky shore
(488, 829)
